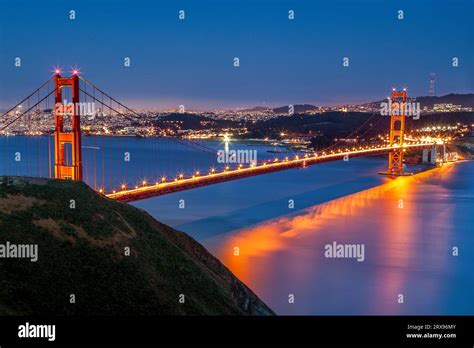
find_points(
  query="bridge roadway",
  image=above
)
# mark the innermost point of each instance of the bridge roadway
(187, 183)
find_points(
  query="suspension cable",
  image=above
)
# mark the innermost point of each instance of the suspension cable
(25, 112)
(29, 96)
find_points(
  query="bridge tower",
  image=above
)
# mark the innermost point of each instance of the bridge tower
(397, 132)
(72, 137)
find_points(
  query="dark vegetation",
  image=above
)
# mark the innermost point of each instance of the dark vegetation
(82, 252)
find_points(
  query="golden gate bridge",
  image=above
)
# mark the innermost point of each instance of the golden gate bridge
(66, 161)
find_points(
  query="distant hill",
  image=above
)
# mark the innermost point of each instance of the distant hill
(257, 109)
(298, 109)
(335, 125)
(81, 251)
(466, 100)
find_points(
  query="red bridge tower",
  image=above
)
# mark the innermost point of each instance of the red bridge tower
(62, 170)
(398, 100)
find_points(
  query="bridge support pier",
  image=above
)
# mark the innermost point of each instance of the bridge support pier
(430, 155)
(444, 155)
(434, 154)
(424, 158)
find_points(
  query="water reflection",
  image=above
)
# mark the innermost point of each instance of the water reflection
(407, 227)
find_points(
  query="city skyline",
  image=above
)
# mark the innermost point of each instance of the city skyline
(190, 62)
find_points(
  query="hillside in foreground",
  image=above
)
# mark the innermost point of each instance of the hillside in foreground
(82, 241)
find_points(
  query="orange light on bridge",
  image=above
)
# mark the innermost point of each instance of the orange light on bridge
(232, 173)
(163, 179)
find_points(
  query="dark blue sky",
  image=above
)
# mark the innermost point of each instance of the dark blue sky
(190, 62)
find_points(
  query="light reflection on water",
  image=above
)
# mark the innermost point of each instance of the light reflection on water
(408, 250)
